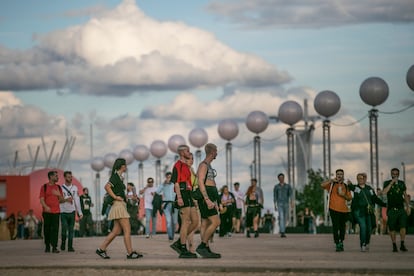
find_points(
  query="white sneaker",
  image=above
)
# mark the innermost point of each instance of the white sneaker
(363, 248)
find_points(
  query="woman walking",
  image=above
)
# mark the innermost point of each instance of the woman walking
(118, 213)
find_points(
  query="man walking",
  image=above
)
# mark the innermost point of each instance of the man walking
(181, 177)
(86, 223)
(396, 192)
(166, 189)
(50, 197)
(67, 211)
(282, 194)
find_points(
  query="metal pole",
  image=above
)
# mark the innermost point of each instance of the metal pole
(228, 166)
(158, 171)
(98, 204)
(326, 165)
(257, 158)
(373, 138)
(140, 175)
(198, 158)
(291, 172)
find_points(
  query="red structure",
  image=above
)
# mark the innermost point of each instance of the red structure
(21, 192)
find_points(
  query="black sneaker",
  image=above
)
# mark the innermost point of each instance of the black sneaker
(176, 246)
(47, 249)
(62, 247)
(403, 248)
(187, 255)
(134, 255)
(203, 251)
(394, 248)
(102, 253)
(70, 249)
(213, 254)
(283, 235)
(55, 250)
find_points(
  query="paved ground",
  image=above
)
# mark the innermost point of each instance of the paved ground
(298, 254)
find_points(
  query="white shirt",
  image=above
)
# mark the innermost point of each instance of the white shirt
(70, 190)
(149, 196)
(239, 195)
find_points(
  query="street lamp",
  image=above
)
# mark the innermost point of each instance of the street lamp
(374, 91)
(290, 112)
(228, 130)
(158, 149)
(174, 142)
(141, 153)
(198, 137)
(327, 104)
(257, 122)
(97, 165)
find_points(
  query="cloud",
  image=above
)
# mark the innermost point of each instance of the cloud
(123, 51)
(312, 14)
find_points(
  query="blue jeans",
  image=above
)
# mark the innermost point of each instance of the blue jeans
(365, 226)
(171, 217)
(148, 217)
(283, 209)
(67, 223)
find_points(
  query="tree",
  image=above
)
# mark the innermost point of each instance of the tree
(312, 195)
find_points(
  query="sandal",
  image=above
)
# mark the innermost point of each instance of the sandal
(134, 255)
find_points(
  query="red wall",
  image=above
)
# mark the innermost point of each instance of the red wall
(22, 191)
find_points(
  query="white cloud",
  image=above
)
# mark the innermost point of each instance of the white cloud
(123, 51)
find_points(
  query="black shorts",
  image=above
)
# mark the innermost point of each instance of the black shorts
(397, 218)
(214, 196)
(186, 196)
(237, 213)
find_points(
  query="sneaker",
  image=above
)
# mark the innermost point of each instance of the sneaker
(55, 250)
(394, 248)
(134, 255)
(256, 234)
(176, 246)
(367, 246)
(363, 248)
(403, 248)
(187, 255)
(70, 249)
(283, 235)
(62, 247)
(147, 236)
(102, 253)
(341, 246)
(338, 247)
(202, 251)
(213, 254)
(248, 233)
(47, 249)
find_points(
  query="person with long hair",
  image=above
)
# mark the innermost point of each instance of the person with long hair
(115, 187)
(253, 210)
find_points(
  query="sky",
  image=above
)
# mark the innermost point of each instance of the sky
(114, 75)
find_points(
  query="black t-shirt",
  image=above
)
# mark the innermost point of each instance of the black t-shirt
(395, 195)
(118, 186)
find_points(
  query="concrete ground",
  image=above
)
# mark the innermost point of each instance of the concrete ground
(298, 254)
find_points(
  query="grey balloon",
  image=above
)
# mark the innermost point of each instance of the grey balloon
(198, 137)
(141, 152)
(175, 141)
(228, 129)
(109, 159)
(410, 77)
(257, 121)
(127, 155)
(373, 91)
(327, 103)
(97, 164)
(290, 112)
(158, 148)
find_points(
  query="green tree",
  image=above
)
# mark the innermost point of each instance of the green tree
(312, 195)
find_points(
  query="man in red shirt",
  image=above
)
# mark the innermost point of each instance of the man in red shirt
(50, 197)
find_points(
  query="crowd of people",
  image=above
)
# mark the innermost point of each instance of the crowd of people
(192, 204)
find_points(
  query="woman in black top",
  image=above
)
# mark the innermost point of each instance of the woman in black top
(119, 214)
